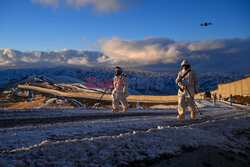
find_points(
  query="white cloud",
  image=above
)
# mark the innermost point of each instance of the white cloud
(140, 52)
(155, 51)
(98, 5)
(173, 53)
(232, 50)
(53, 3)
(137, 52)
(230, 54)
(78, 61)
(28, 59)
(5, 62)
(206, 45)
(9, 53)
(9, 57)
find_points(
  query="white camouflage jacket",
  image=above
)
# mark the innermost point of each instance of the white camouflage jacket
(120, 87)
(191, 81)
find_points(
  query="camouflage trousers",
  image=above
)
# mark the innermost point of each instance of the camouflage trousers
(115, 104)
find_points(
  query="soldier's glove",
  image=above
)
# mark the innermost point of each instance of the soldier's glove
(181, 87)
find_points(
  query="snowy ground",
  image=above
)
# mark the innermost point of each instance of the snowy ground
(114, 139)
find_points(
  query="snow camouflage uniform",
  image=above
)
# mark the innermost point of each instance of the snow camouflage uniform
(120, 93)
(191, 82)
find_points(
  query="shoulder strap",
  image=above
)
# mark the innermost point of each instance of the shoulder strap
(182, 78)
(186, 73)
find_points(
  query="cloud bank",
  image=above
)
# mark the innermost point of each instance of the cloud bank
(15, 59)
(223, 54)
(98, 5)
(156, 54)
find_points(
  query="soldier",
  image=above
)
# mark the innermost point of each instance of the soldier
(231, 99)
(188, 83)
(120, 91)
(220, 97)
(214, 98)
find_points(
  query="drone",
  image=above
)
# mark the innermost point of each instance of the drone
(205, 24)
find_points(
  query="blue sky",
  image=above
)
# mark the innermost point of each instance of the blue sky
(29, 25)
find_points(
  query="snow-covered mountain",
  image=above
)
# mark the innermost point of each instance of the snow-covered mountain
(140, 82)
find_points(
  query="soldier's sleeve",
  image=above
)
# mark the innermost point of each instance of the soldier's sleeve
(125, 84)
(113, 83)
(178, 80)
(196, 82)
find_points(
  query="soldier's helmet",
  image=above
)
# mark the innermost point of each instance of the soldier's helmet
(185, 63)
(119, 68)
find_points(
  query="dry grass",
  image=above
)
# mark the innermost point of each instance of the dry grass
(242, 99)
(26, 104)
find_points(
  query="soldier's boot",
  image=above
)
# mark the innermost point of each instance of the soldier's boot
(182, 116)
(193, 114)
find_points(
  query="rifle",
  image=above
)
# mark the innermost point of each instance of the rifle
(99, 102)
(193, 101)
